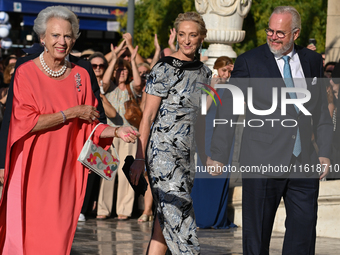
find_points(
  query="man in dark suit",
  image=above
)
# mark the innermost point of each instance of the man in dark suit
(277, 145)
(7, 117)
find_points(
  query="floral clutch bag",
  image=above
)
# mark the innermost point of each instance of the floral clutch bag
(98, 160)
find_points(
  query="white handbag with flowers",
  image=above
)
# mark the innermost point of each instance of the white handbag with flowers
(98, 160)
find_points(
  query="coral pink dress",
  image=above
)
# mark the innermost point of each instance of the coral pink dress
(44, 183)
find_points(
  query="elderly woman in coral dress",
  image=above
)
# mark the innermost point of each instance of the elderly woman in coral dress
(54, 111)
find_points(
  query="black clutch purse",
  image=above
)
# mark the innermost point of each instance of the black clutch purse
(142, 184)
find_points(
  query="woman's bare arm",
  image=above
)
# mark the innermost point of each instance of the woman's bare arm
(84, 112)
(110, 111)
(109, 70)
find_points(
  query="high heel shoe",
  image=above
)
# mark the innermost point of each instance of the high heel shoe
(145, 218)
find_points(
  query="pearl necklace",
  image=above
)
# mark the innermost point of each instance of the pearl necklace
(49, 70)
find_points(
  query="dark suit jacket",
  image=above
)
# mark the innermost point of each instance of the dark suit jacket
(7, 117)
(274, 145)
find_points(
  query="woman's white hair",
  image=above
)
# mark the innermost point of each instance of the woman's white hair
(55, 12)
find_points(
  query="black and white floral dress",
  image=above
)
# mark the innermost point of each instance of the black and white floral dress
(171, 148)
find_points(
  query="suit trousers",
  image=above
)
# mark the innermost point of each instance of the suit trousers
(260, 200)
(125, 193)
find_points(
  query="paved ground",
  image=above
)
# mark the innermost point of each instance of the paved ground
(113, 237)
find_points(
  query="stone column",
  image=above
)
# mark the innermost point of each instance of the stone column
(333, 31)
(224, 20)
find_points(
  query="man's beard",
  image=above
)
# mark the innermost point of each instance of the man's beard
(284, 49)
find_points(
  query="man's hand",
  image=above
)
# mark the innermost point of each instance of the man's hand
(2, 174)
(214, 167)
(325, 162)
(311, 47)
(136, 169)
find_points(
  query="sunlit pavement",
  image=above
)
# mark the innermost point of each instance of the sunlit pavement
(113, 237)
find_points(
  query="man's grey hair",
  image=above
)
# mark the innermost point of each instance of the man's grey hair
(296, 19)
(55, 12)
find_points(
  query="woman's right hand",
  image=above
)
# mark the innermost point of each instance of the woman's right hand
(217, 80)
(119, 50)
(127, 133)
(136, 169)
(134, 54)
(113, 52)
(128, 39)
(84, 112)
(172, 39)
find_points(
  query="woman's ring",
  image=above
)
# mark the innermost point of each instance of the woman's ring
(93, 118)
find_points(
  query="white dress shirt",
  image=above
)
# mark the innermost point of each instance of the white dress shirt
(296, 70)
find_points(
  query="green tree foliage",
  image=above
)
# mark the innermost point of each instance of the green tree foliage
(158, 16)
(313, 20)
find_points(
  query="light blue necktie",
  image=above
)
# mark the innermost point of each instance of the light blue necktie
(287, 76)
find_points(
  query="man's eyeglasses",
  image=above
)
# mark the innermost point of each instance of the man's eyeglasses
(279, 34)
(95, 66)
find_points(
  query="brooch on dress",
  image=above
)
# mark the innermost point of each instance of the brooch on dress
(177, 63)
(78, 81)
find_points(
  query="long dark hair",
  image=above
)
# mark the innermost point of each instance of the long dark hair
(124, 63)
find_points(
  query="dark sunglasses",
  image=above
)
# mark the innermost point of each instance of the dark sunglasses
(95, 66)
